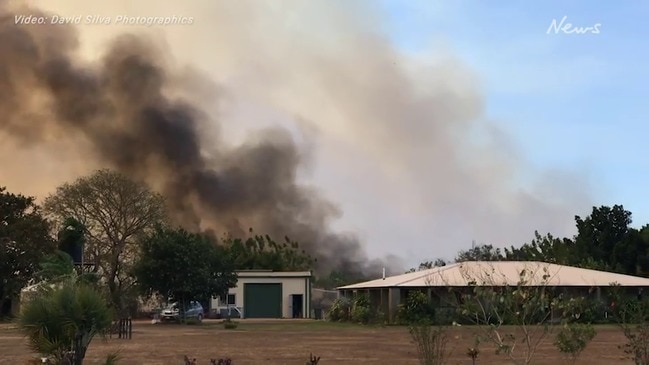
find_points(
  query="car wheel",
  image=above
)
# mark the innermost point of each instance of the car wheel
(199, 317)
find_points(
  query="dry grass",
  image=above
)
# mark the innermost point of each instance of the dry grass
(291, 342)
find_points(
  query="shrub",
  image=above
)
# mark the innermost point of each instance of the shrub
(632, 315)
(229, 324)
(63, 318)
(223, 361)
(339, 311)
(417, 308)
(361, 311)
(431, 342)
(573, 339)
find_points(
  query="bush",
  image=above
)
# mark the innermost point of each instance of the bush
(340, 310)
(417, 308)
(361, 311)
(431, 342)
(63, 318)
(573, 339)
(229, 324)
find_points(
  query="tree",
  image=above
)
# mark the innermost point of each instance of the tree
(631, 314)
(184, 266)
(428, 265)
(24, 241)
(262, 252)
(115, 211)
(510, 315)
(65, 318)
(543, 248)
(480, 253)
(600, 232)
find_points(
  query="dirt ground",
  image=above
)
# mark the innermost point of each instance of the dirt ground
(291, 342)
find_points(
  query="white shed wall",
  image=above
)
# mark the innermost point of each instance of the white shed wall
(290, 286)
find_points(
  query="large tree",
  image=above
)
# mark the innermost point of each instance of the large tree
(115, 211)
(599, 233)
(426, 265)
(184, 266)
(480, 253)
(24, 240)
(543, 248)
(262, 252)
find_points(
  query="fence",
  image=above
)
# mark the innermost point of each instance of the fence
(123, 328)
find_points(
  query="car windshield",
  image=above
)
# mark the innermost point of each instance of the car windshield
(172, 306)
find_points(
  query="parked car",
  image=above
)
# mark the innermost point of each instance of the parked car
(172, 312)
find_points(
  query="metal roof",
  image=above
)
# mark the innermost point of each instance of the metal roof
(502, 273)
(272, 274)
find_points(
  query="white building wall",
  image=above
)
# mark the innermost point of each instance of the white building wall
(290, 286)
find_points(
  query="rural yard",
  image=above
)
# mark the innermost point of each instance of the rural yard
(291, 341)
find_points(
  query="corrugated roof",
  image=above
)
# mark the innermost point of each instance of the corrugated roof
(272, 274)
(501, 273)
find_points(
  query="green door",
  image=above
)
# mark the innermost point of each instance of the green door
(262, 300)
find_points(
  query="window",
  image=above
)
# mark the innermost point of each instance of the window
(231, 299)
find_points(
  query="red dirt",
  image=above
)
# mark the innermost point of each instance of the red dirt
(291, 342)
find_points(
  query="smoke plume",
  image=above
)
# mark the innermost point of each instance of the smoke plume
(406, 132)
(119, 108)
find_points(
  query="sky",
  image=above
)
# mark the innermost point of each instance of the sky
(570, 100)
(429, 124)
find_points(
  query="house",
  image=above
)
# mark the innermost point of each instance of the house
(388, 292)
(267, 294)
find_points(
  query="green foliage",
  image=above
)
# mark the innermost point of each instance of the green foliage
(573, 338)
(71, 235)
(632, 315)
(480, 253)
(338, 278)
(55, 318)
(184, 266)
(56, 266)
(24, 241)
(112, 359)
(543, 248)
(428, 265)
(262, 252)
(361, 309)
(417, 308)
(431, 342)
(340, 310)
(229, 324)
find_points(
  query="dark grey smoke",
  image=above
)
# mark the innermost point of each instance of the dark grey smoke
(119, 107)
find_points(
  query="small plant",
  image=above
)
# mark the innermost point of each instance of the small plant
(313, 360)
(472, 353)
(573, 339)
(223, 361)
(431, 342)
(112, 359)
(189, 361)
(229, 324)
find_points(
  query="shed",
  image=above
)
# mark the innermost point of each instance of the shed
(267, 294)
